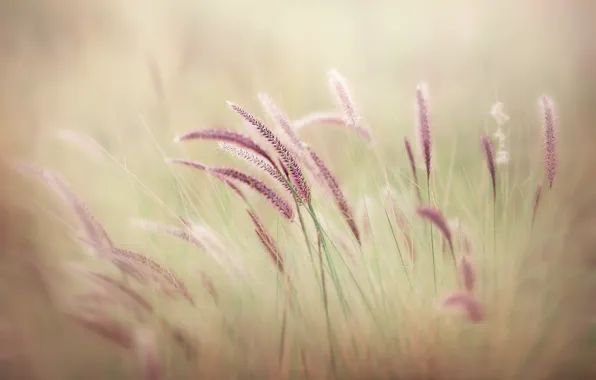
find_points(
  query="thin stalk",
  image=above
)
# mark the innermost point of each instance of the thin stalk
(401, 256)
(332, 271)
(326, 306)
(495, 269)
(352, 277)
(306, 239)
(432, 244)
(282, 339)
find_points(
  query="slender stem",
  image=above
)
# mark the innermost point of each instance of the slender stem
(495, 269)
(326, 305)
(432, 244)
(349, 271)
(282, 339)
(332, 271)
(306, 239)
(401, 256)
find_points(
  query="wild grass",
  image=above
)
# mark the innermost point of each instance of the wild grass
(301, 286)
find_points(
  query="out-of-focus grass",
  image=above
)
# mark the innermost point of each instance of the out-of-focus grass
(135, 75)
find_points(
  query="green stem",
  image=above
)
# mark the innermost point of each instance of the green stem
(401, 256)
(326, 305)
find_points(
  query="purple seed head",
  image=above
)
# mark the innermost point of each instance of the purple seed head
(468, 302)
(436, 218)
(549, 126)
(227, 136)
(267, 241)
(489, 155)
(537, 197)
(296, 175)
(338, 194)
(467, 273)
(281, 120)
(330, 118)
(423, 124)
(257, 161)
(345, 103)
(412, 160)
(259, 186)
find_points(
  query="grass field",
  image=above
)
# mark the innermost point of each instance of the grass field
(120, 263)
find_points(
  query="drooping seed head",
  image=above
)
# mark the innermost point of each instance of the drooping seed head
(94, 230)
(209, 286)
(537, 197)
(289, 161)
(549, 125)
(182, 338)
(257, 161)
(322, 118)
(149, 267)
(83, 142)
(268, 242)
(412, 161)
(281, 120)
(345, 103)
(193, 235)
(467, 273)
(489, 155)
(277, 201)
(338, 194)
(181, 233)
(468, 302)
(230, 137)
(115, 286)
(108, 328)
(423, 125)
(436, 217)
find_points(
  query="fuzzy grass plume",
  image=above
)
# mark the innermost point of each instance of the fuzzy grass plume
(353, 310)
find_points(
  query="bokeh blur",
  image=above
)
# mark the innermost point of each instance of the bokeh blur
(133, 74)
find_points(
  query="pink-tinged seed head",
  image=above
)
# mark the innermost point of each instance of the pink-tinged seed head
(267, 241)
(257, 161)
(436, 217)
(289, 161)
(322, 118)
(549, 125)
(537, 197)
(83, 142)
(107, 328)
(489, 155)
(230, 137)
(281, 120)
(94, 230)
(259, 186)
(345, 103)
(412, 161)
(468, 303)
(340, 198)
(467, 273)
(423, 124)
(199, 166)
(230, 174)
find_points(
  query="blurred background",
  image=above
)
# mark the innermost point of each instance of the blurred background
(133, 74)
